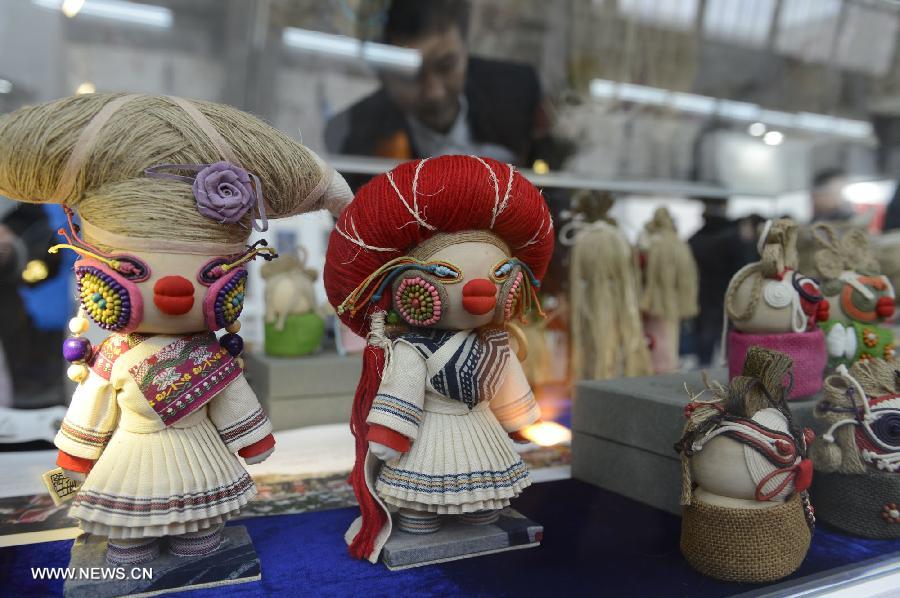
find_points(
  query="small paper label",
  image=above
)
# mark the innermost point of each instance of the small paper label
(62, 488)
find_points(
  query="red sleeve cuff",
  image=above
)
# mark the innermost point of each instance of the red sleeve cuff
(388, 437)
(258, 447)
(67, 461)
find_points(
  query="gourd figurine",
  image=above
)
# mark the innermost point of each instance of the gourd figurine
(428, 262)
(168, 191)
(293, 326)
(746, 515)
(860, 297)
(771, 305)
(857, 458)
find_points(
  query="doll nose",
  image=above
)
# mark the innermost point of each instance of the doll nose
(479, 296)
(885, 307)
(173, 295)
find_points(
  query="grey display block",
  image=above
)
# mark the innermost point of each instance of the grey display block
(233, 563)
(304, 391)
(624, 432)
(455, 541)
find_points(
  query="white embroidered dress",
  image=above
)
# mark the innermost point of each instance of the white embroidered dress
(163, 417)
(456, 395)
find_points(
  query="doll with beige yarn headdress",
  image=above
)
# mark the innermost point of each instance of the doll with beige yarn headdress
(168, 192)
(857, 458)
(770, 304)
(669, 290)
(860, 297)
(746, 515)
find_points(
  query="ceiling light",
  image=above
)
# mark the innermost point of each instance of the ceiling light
(70, 8)
(115, 10)
(773, 138)
(757, 129)
(869, 192)
(342, 46)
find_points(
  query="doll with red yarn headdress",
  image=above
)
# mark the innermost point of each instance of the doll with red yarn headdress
(429, 262)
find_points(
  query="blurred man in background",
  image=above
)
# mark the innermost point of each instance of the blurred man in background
(33, 359)
(721, 247)
(454, 104)
(828, 203)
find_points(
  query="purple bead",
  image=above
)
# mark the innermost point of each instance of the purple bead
(76, 348)
(232, 343)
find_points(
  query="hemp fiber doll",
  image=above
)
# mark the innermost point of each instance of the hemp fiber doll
(771, 305)
(607, 335)
(746, 515)
(669, 290)
(857, 458)
(168, 191)
(445, 250)
(861, 298)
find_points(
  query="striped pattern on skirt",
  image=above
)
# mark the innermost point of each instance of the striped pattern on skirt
(175, 481)
(460, 463)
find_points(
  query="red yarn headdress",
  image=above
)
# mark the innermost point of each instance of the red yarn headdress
(391, 215)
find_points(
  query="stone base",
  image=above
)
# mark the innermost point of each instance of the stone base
(456, 541)
(233, 563)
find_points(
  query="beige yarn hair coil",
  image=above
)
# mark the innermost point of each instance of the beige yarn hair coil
(91, 151)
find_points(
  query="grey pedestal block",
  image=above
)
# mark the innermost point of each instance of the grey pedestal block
(455, 541)
(304, 391)
(233, 563)
(624, 431)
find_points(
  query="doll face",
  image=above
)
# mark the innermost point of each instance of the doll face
(173, 297)
(466, 301)
(793, 303)
(859, 297)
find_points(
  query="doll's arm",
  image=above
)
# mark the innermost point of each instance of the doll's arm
(242, 424)
(514, 406)
(88, 424)
(397, 409)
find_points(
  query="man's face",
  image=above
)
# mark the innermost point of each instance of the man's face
(432, 94)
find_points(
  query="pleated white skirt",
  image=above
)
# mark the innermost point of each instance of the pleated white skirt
(460, 463)
(178, 480)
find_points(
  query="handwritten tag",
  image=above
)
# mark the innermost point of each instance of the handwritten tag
(62, 488)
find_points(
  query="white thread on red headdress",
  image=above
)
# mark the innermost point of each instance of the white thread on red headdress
(539, 235)
(414, 208)
(358, 240)
(496, 182)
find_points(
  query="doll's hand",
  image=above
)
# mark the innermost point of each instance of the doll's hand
(259, 458)
(385, 453)
(518, 437)
(259, 451)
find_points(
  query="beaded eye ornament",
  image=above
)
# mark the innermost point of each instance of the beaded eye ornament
(419, 301)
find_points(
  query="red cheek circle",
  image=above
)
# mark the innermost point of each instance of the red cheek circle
(173, 295)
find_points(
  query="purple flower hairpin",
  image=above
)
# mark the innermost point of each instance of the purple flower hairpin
(223, 191)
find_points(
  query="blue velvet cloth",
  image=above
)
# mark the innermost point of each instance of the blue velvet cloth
(594, 542)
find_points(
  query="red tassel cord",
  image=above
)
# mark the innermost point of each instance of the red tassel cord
(373, 517)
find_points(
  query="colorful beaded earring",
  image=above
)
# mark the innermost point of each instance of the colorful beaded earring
(224, 300)
(77, 349)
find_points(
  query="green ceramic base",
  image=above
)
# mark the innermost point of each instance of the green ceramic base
(302, 335)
